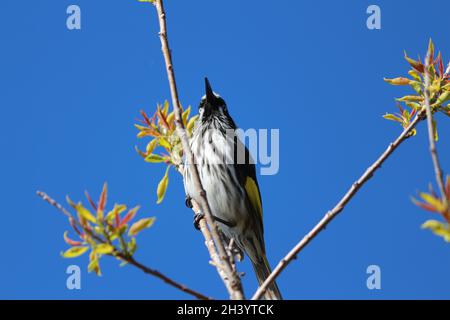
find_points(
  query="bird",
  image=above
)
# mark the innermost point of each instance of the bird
(228, 176)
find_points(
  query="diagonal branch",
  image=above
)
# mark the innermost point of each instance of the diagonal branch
(230, 278)
(431, 131)
(163, 277)
(367, 175)
(209, 242)
(125, 257)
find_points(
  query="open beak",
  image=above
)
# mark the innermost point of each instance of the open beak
(209, 93)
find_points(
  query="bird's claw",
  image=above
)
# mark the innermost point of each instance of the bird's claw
(197, 217)
(188, 202)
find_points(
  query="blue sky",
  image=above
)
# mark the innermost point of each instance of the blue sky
(309, 68)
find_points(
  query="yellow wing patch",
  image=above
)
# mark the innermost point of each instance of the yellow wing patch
(253, 195)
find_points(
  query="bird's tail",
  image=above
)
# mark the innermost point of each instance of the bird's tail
(262, 271)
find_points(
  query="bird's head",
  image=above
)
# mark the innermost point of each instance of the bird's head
(213, 107)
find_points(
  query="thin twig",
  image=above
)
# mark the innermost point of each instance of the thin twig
(59, 207)
(232, 281)
(125, 257)
(431, 131)
(330, 215)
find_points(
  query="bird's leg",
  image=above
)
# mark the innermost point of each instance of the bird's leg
(234, 250)
(234, 253)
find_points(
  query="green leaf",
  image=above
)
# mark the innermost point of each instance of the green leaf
(185, 115)
(94, 265)
(164, 143)
(417, 86)
(165, 108)
(409, 98)
(438, 228)
(74, 252)
(430, 51)
(191, 123)
(154, 158)
(415, 75)
(392, 117)
(149, 132)
(118, 209)
(162, 186)
(445, 96)
(132, 246)
(141, 225)
(415, 64)
(400, 81)
(436, 203)
(140, 128)
(170, 119)
(104, 248)
(151, 146)
(434, 87)
(413, 105)
(85, 213)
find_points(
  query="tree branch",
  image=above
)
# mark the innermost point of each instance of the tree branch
(431, 130)
(209, 242)
(330, 215)
(163, 277)
(125, 257)
(230, 276)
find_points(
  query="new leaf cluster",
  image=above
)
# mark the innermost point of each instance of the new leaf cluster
(165, 144)
(103, 232)
(434, 203)
(439, 89)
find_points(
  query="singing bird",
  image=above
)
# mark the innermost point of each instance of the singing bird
(228, 175)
